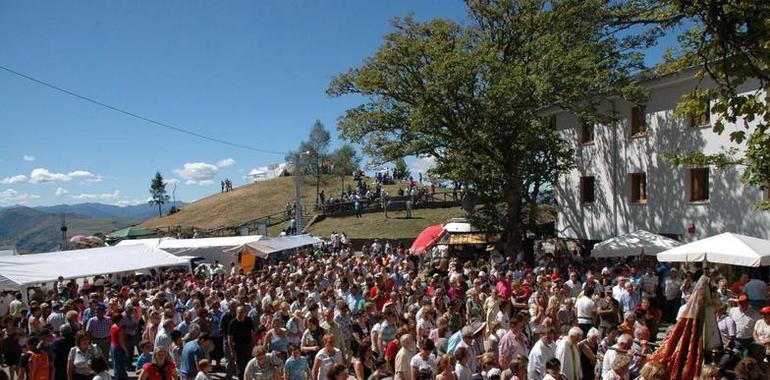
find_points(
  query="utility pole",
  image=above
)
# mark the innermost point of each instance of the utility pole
(63, 234)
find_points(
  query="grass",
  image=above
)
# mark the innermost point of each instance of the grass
(249, 202)
(375, 225)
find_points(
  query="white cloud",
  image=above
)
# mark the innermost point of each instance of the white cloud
(129, 202)
(171, 181)
(40, 175)
(21, 178)
(422, 164)
(198, 173)
(11, 196)
(226, 162)
(61, 191)
(113, 196)
(28, 158)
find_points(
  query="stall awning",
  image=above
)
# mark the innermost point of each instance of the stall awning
(17, 272)
(210, 249)
(636, 243)
(265, 247)
(726, 248)
(474, 238)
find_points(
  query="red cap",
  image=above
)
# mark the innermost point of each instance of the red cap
(765, 310)
(743, 298)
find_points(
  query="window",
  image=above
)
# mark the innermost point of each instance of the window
(587, 189)
(699, 185)
(701, 117)
(638, 121)
(638, 183)
(587, 133)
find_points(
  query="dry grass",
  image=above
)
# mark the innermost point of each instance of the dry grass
(375, 225)
(249, 202)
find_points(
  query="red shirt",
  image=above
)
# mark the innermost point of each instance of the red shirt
(154, 372)
(115, 332)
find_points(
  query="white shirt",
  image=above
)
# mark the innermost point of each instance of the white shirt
(538, 356)
(671, 288)
(569, 356)
(586, 309)
(744, 322)
(574, 287)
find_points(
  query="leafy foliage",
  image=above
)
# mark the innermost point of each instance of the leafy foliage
(344, 162)
(158, 194)
(473, 96)
(729, 43)
(314, 154)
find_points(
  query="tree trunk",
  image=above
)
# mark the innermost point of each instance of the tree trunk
(533, 210)
(160, 211)
(317, 189)
(512, 233)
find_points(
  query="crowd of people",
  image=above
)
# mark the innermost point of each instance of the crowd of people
(226, 185)
(338, 313)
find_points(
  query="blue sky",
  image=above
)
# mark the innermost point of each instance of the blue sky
(252, 72)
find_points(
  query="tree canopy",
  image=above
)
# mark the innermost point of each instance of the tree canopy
(476, 96)
(158, 195)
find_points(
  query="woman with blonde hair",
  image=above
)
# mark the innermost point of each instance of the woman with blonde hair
(445, 368)
(652, 371)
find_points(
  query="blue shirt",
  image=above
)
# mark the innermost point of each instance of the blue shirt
(191, 353)
(295, 368)
(183, 328)
(142, 359)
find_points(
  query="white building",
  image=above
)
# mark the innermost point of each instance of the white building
(623, 182)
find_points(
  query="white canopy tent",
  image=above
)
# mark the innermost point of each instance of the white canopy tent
(265, 247)
(19, 272)
(209, 249)
(636, 243)
(727, 248)
(152, 242)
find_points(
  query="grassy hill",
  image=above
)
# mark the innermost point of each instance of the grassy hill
(37, 231)
(375, 225)
(249, 202)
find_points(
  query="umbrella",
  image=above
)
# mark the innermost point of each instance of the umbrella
(727, 248)
(79, 239)
(427, 238)
(636, 243)
(132, 233)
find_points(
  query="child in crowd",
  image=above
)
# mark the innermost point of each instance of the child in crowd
(144, 357)
(204, 367)
(553, 370)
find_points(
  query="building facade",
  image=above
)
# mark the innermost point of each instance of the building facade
(622, 181)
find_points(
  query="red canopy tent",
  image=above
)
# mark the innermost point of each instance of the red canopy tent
(427, 238)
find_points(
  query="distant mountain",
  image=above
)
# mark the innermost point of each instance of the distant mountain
(37, 231)
(140, 212)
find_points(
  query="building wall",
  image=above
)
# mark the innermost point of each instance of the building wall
(615, 153)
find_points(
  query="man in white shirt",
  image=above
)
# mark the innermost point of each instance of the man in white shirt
(586, 310)
(620, 289)
(672, 292)
(573, 285)
(621, 347)
(745, 318)
(568, 354)
(542, 352)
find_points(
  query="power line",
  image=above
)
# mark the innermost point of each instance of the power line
(135, 115)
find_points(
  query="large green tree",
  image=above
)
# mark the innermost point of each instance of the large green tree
(158, 195)
(315, 154)
(345, 161)
(475, 96)
(728, 41)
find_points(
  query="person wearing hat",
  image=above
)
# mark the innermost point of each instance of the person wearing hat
(619, 370)
(745, 319)
(99, 328)
(762, 329)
